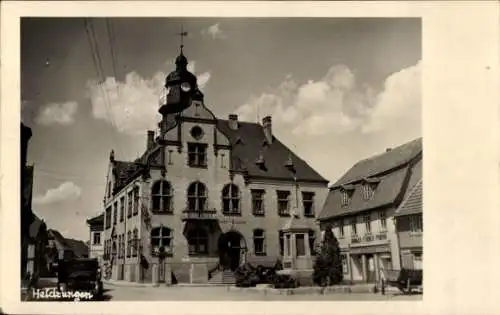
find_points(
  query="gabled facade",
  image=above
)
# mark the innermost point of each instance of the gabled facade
(96, 237)
(207, 192)
(409, 226)
(361, 205)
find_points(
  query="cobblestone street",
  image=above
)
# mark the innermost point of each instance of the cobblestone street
(123, 293)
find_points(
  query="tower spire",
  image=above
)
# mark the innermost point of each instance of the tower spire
(182, 34)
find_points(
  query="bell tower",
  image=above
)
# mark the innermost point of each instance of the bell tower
(180, 84)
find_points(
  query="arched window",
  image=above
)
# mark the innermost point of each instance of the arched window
(197, 197)
(129, 238)
(161, 194)
(259, 242)
(161, 237)
(230, 199)
(135, 241)
(198, 241)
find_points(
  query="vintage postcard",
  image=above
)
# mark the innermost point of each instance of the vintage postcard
(180, 156)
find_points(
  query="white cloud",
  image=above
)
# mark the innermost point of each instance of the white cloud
(335, 104)
(67, 191)
(55, 113)
(214, 31)
(203, 79)
(132, 106)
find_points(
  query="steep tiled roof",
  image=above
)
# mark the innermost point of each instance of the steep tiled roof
(394, 170)
(247, 145)
(383, 162)
(97, 220)
(36, 225)
(124, 172)
(413, 203)
(79, 248)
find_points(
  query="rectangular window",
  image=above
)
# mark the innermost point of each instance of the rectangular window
(282, 242)
(354, 228)
(288, 243)
(122, 208)
(383, 221)
(197, 154)
(96, 238)
(170, 152)
(344, 264)
(416, 224)
(115, 213)
(258, 201)
(341, 229)
(368, 223)
(367, 191)
(108, 217)
(308, 203)
(136, 200)
(312, 242)
(259, 242)
(223, 160)
(283, 202)
(129, 242)
(130, 199)
(300, 244)
(344, 198)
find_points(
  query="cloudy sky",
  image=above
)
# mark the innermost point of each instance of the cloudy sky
(338, 89)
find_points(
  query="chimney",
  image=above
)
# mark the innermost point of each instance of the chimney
(388, 149)
(151, 139)
(233, 122)
(268, 128)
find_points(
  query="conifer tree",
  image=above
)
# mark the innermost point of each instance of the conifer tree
(328, 264)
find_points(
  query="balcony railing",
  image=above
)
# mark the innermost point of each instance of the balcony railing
(368, 237)
(199, 215)
(355, 239)
(381, 236)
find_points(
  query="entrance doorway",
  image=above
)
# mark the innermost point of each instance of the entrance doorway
(231, 245)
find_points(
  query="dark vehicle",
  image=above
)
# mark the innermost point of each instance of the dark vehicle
(80, 274)
(406, 280)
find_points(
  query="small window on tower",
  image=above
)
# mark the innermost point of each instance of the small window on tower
(197, 154)
(197, 132)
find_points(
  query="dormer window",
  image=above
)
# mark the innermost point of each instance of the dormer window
(346, 194)
(369, 186)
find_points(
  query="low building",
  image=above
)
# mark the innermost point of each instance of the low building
(66, 248)
(96, 238)
(361, 206)
(38, 241)
(409, 226)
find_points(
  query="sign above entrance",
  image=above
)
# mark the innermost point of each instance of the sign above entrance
(233, 221)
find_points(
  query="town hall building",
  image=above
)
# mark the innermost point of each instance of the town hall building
(207, 194)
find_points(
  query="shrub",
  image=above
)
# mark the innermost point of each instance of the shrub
(285, 282)
(328, 264)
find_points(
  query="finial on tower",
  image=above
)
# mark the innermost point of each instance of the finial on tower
(182, 34)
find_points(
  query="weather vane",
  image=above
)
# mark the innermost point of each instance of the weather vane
(182, 34)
